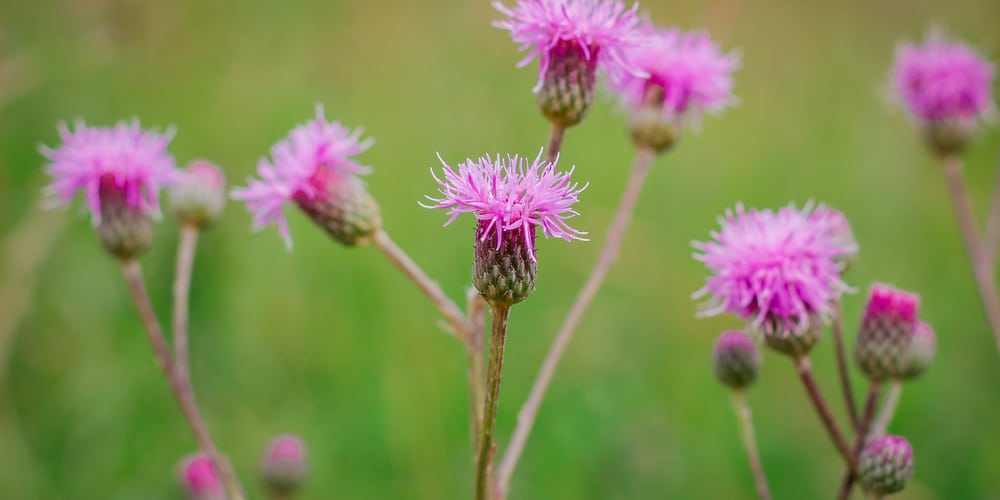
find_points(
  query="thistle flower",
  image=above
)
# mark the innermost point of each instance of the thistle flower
(284, 465)
(199, 479)
(886, 331)
(735, 359)
(571, 39)
(946, 86)
(511, 197)
(313, 167)
(776, 269)
(199, 194)
(120, 170)
(886, 464)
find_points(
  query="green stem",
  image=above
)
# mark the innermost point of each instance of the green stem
(850, 476)
(486, 447)
(888, 409)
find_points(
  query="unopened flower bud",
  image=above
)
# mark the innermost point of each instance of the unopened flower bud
(567, 86)
(125, 229)
(199, 479)
(199, 194)
(886, 464)
(920, 353)
(652, 126)
(504, 268)
(791, 340)
(343, 207)
(284, 465)
(950, 135)
(735, 359)
(886, 332)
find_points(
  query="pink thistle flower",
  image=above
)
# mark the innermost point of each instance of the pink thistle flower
(599, 30)
(199, 478)
(303, 166)
(116, 164)
(690, 70)
(940, 80)
(773, 268)
(510, 194)
(284, 465)
(890, 304)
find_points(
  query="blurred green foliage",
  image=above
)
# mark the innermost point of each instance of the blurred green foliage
(335, 345)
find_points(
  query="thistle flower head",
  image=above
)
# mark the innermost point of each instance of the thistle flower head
(886, 332)
(304, 167)
(688, 68)
(886, 464)
(776, 269)
(601, 29)
(284, 465)
(941, 79)
(735, 359)
(199, 193)
(511, 194)
(123, 161)
(199, 479)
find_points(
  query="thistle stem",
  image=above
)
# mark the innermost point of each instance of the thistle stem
(486, 446)
(859, 439)
(888, 409)
(991, 238)
(555, 142)
(982, 270)
(176, 381)
(804, 369)
(845, 379)
(616, 233)
(474, 351)
(750, 443)
(430, 288)
(182, 289)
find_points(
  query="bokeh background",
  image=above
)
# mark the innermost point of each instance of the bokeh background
(335, 345)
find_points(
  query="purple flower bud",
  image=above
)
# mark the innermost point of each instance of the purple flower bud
(199, 479)
(886, 331)
(284, 465)
(886, 464)
(199, 194)
(735, 359)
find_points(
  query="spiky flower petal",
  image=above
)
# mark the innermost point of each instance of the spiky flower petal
(776, 269)
(314, 168)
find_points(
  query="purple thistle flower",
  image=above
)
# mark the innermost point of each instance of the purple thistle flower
(303, 166)
(599, 29)
(510, 194)
(774, 267)
(940, 79)
(123, 162)
(693, 74)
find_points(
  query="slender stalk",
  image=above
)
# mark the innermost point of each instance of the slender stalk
(474, 351)
(991, 238)
(555, 142)
(182, 289)
(859, 439)
(181, 390)
(486, 446)
(804, 368)
(750, 443)
(888, 409)
(845, 379)
(430, 288)
(981, 269)
(616, 233)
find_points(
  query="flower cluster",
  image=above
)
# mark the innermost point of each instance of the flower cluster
(773, 267)
(941, 79)
(123, 161)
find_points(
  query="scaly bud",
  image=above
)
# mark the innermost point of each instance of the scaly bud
(886, 464)
(735, 359)
(920, 352)
(886, 331)
(199, 194)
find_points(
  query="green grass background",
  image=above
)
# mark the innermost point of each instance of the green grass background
(335, 345)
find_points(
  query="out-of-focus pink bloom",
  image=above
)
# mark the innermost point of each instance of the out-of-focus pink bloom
(301, 166)
(199, 478)
(124, 162)
(887, 303)
(940, 79)
(510, 194)
(772, 266)
(601, 30)
(694, 75)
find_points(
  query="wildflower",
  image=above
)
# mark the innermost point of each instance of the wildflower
(735, 359)
(120, 171)
(511, 197)
(571, 39)
(776, 269)
(199, 194)
(313, 168)
(886, 464)
(886, 331)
